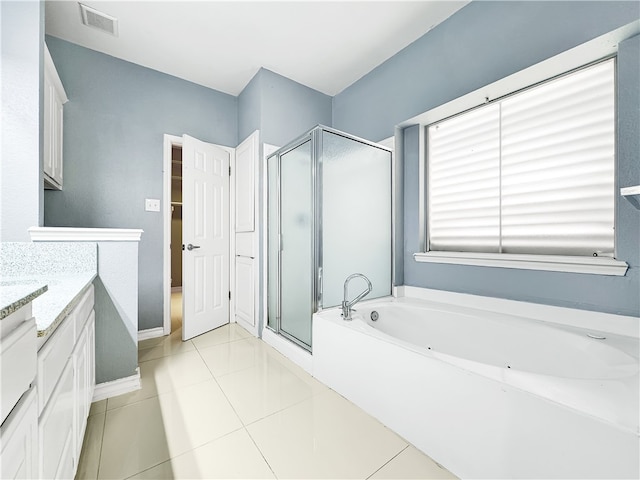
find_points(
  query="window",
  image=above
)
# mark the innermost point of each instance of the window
(529, 174)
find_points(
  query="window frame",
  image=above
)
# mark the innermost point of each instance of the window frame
(513, 85)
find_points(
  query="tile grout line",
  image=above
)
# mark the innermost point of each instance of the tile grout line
(173, 390)
(104, 427)
(244, 426)
(261, 453)
(388, 461)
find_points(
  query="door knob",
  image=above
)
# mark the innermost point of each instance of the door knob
(192, 247)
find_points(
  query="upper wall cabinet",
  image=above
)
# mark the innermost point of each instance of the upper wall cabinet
(54, 99)
(246, 154)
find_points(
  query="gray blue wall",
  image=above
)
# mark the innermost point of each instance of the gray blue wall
(483, 42)
(113, 150)
(280, 108)
(21, 199)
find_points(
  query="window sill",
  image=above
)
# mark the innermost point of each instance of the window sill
(552, 263)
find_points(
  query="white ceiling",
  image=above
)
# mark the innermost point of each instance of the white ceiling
(222, 44)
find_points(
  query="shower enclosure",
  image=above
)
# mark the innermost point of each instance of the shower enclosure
(329, 215)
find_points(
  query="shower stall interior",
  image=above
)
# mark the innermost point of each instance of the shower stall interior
(329, 216)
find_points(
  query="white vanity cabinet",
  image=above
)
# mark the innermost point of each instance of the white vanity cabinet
(54, 99)
(18, 408)
(65, 381)
(19, 439)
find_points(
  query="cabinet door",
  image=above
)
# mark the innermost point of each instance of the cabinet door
(246, 160)
(244, 289)
(81, 390)
(57, 138)
(49, 95)
(55, 428)
(91, 347)
(19, 440)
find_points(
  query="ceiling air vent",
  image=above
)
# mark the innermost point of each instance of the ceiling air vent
(99, 20)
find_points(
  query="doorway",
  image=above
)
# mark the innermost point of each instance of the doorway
(176, 239)
(196, 195)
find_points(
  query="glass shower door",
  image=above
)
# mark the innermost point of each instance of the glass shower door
(296, 243)
(356, 217)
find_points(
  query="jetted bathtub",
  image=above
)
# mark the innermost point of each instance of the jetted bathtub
(488, 395)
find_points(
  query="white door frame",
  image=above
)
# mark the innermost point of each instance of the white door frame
(168, 142)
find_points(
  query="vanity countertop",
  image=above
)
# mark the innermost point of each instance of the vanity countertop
(55, 297)
(16, 293)
(53, 275)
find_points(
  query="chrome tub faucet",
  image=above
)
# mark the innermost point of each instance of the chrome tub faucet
(346, 304)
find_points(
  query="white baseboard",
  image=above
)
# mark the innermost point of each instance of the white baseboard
(117, 387)
(176, 289)
(293, 352)
(150, 333)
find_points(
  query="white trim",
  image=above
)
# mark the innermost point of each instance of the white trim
(168, 142)
(232, 235)
(150, 333)
(573, 317)
(553, 263)
(296, 354)
(64, 234)
(627, 191)
(117, 387)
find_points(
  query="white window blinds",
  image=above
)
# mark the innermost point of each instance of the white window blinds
(532, 173)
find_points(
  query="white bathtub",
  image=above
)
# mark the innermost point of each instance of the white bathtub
(485, 394)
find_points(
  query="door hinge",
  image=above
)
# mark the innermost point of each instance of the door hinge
(229, 295)
(229, 170)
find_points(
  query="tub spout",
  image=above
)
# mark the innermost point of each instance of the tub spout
(346, 304)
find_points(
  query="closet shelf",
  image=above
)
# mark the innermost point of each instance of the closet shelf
(179, 204)
(176, 177)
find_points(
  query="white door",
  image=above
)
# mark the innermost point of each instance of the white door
(246, 234)
(205, 237)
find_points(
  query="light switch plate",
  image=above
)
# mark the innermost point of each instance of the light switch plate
(152, 204)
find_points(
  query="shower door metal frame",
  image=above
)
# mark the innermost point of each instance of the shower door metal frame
(307, 137)
(315, 137)
(318, 152)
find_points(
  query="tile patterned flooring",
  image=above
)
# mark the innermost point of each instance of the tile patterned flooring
(227, 405)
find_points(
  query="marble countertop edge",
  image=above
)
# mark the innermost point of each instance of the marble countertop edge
(14, 297)
(63, 296)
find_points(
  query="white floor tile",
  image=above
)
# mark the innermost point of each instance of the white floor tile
(90, 456)
(147, 433)
(325, 436)
(231, 357)
(227, 333)
(412, 464)
(171, 345)
(232, 456)
(163, 375)
(264, 389)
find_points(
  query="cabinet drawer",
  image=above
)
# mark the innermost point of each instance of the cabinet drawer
(18, 365)
(52, 358)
